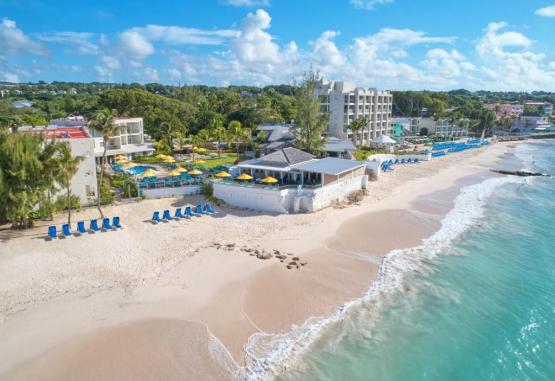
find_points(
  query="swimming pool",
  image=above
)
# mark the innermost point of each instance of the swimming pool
(137, 170)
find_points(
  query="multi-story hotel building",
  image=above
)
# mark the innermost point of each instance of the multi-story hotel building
(345, 102)
(127, 140)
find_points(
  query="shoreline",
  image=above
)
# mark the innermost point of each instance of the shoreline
(255, 296)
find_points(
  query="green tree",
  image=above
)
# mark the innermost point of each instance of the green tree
(103, 122)
(310, 122)
(235, 133)
(357, 125)
(218, 134)
(69, 165)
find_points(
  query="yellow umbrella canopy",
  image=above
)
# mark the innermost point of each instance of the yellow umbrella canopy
(168, 159)
(121, 161)
(180, 169)
(160, 156)
(200, 149)
(244, 176)
(147, 173)
(200, 162)
(195, 172)
(174, 172)
(269, 180)
(121, 157)
(129, 164)
(222, 174)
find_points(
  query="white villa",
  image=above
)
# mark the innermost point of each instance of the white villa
(128, 140)
(305, 183)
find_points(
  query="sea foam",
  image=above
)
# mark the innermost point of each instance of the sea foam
(269, 355)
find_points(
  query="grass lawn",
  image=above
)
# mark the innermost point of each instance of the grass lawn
(228, 159)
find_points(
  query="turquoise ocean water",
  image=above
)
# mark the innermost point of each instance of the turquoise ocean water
(478, 305)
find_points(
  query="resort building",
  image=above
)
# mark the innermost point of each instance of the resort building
(539, 108)
(84, 182)
(302, 182)
(412, 125)
(444, 127)
(128, 140)
(345, 102)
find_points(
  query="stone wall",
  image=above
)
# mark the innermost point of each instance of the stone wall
(170, 192)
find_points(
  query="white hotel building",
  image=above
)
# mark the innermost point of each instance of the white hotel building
(345, 102)
(128, 140)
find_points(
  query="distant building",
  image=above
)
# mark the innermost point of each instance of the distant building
(406, 126)
(540, 108)
(346, 102)
(83, 183)
(20, 104)
(73, 91)
(527, 123)
(443, 127)
(280, 136)
(128, 140)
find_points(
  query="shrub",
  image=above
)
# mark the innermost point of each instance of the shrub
(207, 189)
(356, 196)
(61, 203)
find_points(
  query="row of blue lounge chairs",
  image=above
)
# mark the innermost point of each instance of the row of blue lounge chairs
(81, 229)
(190, 212)
(388, 165)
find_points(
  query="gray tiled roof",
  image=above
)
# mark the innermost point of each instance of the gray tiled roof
(338, 145)
(330, 165)
(287, 155)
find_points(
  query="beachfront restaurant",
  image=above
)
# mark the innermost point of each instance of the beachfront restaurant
(303, 182)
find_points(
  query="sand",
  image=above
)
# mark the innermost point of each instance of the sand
(161, 302)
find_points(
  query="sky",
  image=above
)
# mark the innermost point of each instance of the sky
(388, 44)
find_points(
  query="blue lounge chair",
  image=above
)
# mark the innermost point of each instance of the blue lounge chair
(94, 226)
(52, 233)
(179, 213)
(198, 210)
(116, 223)
(189, 212)
(208, 208)
(81, 227)
(167, 216)
(66, 231)
(156, 217)
(417, 160)
(106, 224)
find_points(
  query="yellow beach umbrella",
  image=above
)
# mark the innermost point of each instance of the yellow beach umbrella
(121, 161)
(269, 180)
(195, 172)
(222, 174)
(180, 169)
(168, 159)
(244, 176)
(129, 164)
(200, 162)
(174, 173)
(147, 173)
(160, 156)
(121, 157)
(200, 149)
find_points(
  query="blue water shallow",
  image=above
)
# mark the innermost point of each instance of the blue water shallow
(483, 310)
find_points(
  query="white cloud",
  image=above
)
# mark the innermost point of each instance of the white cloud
(247, 3)
(253, 44)
(148, 75)
(111, 63)
(176, 35)
(10, 77)
(80, 42)
(369, 4)
(14, 41)
(546, 12)
(326, 52)
(516, 68)
(135, 45)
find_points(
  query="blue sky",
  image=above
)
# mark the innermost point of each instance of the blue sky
(390, 44)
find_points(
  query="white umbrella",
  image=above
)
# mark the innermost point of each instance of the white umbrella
(383, 139)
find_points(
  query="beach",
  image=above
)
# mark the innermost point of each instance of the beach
(181, 300)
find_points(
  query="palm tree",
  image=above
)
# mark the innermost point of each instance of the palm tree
(218, 134)
(103, 122)
(235, 133)
(68, 165)
(358, 124)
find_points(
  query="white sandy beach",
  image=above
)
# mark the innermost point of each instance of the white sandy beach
(161, 302)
